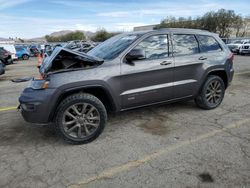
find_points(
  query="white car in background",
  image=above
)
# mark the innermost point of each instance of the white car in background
(11, 48)
(245, 49)
(236, 45)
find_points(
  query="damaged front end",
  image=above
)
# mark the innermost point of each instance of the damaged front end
(35, 100)
(63, 59)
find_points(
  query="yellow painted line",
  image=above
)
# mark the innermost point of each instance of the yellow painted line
(133, 164)
(8, 108)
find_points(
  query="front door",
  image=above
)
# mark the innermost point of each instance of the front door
(149, 80)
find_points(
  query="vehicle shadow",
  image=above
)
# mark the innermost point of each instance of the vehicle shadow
(16, 132)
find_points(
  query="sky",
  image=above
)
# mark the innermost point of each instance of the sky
(36, 18)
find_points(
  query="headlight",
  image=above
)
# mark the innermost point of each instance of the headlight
(39, 84)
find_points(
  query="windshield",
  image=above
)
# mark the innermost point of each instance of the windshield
(112, 47)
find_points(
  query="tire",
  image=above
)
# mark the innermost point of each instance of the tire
(80, 118)
(211, 93)
(25, 57)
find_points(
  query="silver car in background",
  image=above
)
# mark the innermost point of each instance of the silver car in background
(245, 49)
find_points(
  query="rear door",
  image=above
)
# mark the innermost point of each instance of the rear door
(189, 65)
(149, 80)
(211, 50)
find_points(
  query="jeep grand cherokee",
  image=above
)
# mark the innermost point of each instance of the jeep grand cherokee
(129, 70)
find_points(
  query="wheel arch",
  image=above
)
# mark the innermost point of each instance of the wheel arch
(26, 55)
(97, 90)
(222, 74)
(218, 72)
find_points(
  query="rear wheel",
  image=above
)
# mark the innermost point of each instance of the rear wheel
(81, 118)
(211, 94)
(25, 57)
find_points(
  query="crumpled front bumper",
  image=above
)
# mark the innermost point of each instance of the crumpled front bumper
(36, 105)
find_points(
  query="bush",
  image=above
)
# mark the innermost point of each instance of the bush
(77, 35)
(102, 35)
(220, 22)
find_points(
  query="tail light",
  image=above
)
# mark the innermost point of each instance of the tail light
(231, 57)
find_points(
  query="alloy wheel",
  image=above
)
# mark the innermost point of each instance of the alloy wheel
(81, 120)
(214, 92)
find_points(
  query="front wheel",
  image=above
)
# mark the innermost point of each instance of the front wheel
(211, 94)
(80, 118)
(25, 57)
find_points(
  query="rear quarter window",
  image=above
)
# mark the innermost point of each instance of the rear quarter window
(208, 44)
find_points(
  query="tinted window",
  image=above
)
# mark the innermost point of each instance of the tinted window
(185, 44)
(155, 47)
(19, 48)
(208, 43)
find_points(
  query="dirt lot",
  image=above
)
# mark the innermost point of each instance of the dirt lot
(177, 145)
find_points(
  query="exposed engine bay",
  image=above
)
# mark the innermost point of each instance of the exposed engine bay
(63, 59)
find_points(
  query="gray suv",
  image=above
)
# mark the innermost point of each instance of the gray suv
(127, 71)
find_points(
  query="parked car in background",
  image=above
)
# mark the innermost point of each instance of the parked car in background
(34, 51)
(80, 46)
(11, 48)
(127, 71)
(245, 48)
(235, 46)
(2, 68)
(22, 52)
(42, 48)
(5, 56)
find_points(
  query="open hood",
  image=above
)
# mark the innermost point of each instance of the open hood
(63, 59)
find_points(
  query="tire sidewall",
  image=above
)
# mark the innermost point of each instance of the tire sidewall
(80, 99)
(204, 89)
(25, 57)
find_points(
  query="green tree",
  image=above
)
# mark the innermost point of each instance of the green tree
(226, 20)
(181, 22)
(238, 25)
(222, 22)
(102, 35)
(208, 21)
(76, 35)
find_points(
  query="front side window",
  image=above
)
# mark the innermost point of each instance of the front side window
(185, 44)
(208, 43)
(155, 47)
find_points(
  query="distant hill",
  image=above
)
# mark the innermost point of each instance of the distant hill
(1, 39)
(60, 33)
(88, 34)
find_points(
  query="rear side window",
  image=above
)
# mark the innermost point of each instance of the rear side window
(155, 47)
(185, 44)
(208, 43)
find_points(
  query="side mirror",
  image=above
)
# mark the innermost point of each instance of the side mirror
(136, 54)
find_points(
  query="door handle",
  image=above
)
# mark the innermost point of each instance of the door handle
(166, 63)
(202, 58)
